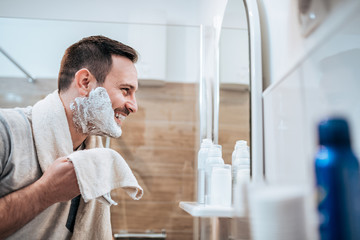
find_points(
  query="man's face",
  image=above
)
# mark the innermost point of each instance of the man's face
(121, 84)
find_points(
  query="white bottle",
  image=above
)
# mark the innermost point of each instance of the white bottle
(240, 176)
(202, 156)
(243, 156)
(214, 158)
(220, 186)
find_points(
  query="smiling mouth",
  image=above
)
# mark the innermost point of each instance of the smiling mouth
(119, 118)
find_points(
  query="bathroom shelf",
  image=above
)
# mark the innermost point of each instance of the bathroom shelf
(200, 210)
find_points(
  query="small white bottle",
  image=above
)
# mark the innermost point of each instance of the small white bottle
(220, 185)
(214, 158)
(202, 156)
(240, 175)
(243, 156)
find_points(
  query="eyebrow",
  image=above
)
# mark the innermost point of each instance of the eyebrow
(127, 85)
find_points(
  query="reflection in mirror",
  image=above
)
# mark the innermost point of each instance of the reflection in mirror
(234, 106)
(158, 142)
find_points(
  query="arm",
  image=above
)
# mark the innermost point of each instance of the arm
(58, 184)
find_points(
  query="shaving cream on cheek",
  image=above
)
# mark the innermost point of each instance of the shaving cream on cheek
(94, 114)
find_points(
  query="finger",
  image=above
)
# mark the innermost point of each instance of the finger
(64, 159)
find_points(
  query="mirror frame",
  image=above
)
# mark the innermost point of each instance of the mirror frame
(256, 89)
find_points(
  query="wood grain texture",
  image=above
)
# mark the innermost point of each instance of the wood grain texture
(160, 144)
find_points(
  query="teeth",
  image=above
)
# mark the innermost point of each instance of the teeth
(119, 116)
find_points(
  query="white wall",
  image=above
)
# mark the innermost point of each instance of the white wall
(318, 80)
(37, 34)
(38, 46)
(184, 12)
(234, 56)
(284, 43)
(309, 77)
(182, 54)
(234, 45)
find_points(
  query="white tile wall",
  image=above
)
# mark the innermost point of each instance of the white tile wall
(284, 133)
(325, 83)
(332, 84)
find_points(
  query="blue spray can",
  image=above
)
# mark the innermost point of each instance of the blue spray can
(338, 182)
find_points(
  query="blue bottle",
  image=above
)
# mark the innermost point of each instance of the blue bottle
(338, 182)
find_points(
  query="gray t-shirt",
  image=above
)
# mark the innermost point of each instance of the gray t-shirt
(19, 168)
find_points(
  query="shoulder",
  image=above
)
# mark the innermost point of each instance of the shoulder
(5, 140)
(15, 123)
(16, 114)
(18, 162)
(5, 116)
(16, 119)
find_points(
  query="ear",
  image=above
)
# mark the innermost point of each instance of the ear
(84, 81)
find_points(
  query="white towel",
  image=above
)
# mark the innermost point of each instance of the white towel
(100, 170)
(53, 140)
(51, 130)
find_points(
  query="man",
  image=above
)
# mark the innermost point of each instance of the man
(35, 190)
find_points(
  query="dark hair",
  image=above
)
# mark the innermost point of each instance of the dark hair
(93, 53)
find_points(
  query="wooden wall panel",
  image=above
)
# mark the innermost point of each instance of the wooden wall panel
(156, 215)
(160, 145)
(234, 121)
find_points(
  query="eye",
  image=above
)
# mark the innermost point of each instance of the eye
(126, 91)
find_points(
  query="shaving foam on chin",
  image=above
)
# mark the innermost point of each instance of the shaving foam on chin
(94, 114)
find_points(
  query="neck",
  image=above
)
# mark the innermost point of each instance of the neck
(76, 137)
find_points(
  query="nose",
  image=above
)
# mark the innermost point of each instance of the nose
(131, 105)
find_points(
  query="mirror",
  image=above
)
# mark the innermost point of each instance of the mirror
(233, 107)
(234, 104)
(160, 142)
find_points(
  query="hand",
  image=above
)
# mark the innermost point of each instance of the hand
(59, 181)
(58, 184)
